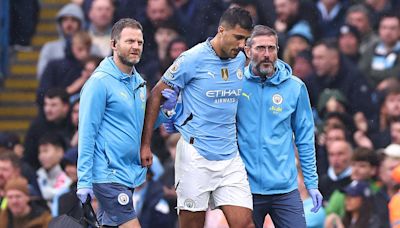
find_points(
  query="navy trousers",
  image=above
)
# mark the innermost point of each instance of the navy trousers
(286, 210)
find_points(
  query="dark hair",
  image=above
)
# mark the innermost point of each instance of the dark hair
(124, 23)
(53, 139)
(95, 59)
(261, 30)
(392, 91)
(236, 16)
(366, 211)
(244, 3)
(329, 43)
(168, 58)
(58, 92)
(12, 157)
(388, 14)
(169, 24)
(365, 155)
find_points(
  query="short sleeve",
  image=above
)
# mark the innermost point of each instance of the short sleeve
(178, 74)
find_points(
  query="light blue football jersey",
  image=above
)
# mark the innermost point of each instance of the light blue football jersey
(210, 88)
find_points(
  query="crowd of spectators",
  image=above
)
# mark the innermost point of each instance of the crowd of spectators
(347, 52)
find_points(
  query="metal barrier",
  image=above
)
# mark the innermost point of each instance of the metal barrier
(4, 37)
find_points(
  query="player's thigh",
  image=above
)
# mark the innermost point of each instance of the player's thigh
(287, 210)
(240, 217)
(191, 219)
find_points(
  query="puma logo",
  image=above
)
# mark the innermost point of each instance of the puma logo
(211, 74)
(246, 95)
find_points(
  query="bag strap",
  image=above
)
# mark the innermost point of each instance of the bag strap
(88, 213)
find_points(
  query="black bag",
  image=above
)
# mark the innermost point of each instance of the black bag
(88, 219)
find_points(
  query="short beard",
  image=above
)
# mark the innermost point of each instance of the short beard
(264, 72)
(125, 61)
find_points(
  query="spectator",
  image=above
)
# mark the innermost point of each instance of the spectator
(101, 18)
(11, 141)
(150, 205)
(24, 15)
(89, 66)
(336, 133)
(394, 204)
(21, 210)
(157, 12)
(359, 208)
(69, 21)
(332, 100)
(51, 178)
(55, 120)
(289, 15)
(334, 72)
(381, 61)
(395, 131)
(300, 39)
(349, 43)
(358, 16)
(330, 17)
(156, 59)
(124, 9)
(175, 49)
(61, 73)
(390, 159)
(75, 122)
(379, 132)
(302, 66)
(12, 167)
(339, 171)
(254, 8)
(364, 167)
(378, 8)
(204, 14)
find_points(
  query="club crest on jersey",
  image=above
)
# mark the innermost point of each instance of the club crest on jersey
(277, 99)
(123, 199)
(239, 74)
(174, 68)
(224, 74)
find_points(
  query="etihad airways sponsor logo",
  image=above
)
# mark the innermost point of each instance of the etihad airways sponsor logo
(223, 93)
(224, 96)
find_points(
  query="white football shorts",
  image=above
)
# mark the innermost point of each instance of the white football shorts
(201, 183)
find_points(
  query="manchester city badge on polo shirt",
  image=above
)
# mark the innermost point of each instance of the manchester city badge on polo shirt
(239, 74)
(224, 74)
(277, 99)
(123, 199)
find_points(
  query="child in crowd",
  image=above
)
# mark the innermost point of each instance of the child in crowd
(51, 178)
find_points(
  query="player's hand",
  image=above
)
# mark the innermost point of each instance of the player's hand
(83, 194)
(146, 156)
(316, 199)
(170, 127)
(171, 97)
